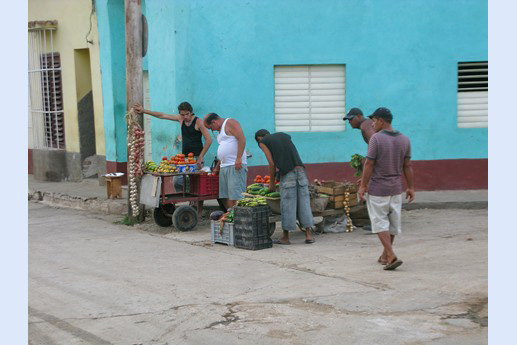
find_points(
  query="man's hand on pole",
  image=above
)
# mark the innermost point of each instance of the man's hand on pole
(138, 108)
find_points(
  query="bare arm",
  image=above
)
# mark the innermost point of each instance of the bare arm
(208, 142)
(234, 128)
(173, 117)
(408, 174)
(272, 167)
(365, 178)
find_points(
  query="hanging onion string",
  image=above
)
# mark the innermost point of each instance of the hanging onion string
(135, 143)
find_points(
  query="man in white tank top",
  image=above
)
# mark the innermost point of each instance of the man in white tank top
(232, 166)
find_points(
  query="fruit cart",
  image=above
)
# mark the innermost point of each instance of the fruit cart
(197, 186)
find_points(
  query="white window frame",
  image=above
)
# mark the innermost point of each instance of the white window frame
(46, 109)
(309, 98)
(473, 94)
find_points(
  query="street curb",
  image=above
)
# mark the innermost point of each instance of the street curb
(119, 206)
(444, 205)
(109, 206)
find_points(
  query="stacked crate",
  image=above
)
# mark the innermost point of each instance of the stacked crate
(251, 227)
(336, 192)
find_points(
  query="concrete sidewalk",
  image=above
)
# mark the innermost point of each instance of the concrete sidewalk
(89, 195)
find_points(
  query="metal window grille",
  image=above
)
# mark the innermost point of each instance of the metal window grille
(310, 98)
(45, 90)
(473, 94)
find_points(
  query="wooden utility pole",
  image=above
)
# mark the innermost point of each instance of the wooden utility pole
(134, 79)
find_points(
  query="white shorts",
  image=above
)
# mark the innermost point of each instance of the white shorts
(385, 213)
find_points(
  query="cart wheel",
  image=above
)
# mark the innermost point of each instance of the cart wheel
(163, 215)
(184, 218)
(272, 228)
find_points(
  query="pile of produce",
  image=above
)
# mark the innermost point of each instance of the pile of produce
(252, 202)
(259, 189)
(179, 159)
(166, 166)
(151, 166)
(259, 179)
(170, 166)
(227, 217)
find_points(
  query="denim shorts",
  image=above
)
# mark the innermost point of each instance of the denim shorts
(295, 200)
(232, 183)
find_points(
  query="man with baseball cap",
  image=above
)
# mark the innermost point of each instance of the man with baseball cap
(388, 159)
(357, 121)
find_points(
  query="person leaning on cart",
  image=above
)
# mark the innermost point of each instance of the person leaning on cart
(294, 186)
(192, 129)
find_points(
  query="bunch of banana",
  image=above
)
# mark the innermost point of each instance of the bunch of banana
(252, 202)
(151, 166)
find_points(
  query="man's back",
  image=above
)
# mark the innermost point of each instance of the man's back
(388, 149)
(285, 155)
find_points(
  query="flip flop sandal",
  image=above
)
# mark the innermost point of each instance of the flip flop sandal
(282, 243)
(394, 264)
(310, 241)
(382, 262)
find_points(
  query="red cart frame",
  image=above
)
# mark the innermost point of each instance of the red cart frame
(200, 187)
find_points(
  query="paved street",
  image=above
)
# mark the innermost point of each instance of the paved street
(92, 281)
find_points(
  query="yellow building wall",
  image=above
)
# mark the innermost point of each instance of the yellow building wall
(73, 17)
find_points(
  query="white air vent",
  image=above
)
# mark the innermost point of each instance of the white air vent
(473, 94)
(309, 98)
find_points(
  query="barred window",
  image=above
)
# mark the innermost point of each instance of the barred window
(45, 87)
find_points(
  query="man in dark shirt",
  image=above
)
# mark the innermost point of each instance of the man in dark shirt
(388, 160)
(281, 154)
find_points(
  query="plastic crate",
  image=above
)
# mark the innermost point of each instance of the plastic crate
(205, 185)
(251, 227)
(226, 237)
(252, 243)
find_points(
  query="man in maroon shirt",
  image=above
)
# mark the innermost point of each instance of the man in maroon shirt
(388, 159)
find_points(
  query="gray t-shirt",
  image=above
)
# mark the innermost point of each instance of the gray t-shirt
(388, 150)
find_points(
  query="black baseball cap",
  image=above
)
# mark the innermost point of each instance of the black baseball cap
(353, 112)
(382, 113)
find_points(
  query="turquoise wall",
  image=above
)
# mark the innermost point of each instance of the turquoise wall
(220, 56)
(111, 21)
